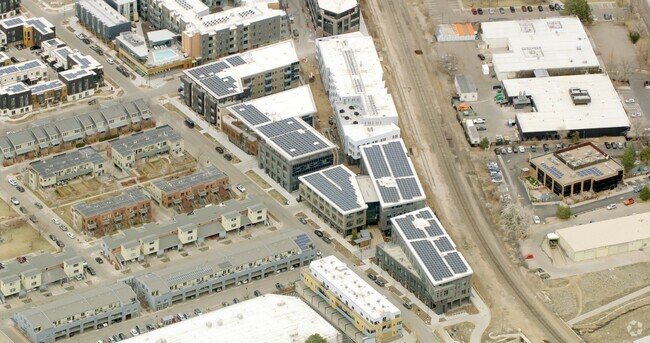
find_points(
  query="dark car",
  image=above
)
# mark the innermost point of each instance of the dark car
(228, 157)
(35, 47)
(372, 276)
(327, 240)
(302, 220)
(607, 145)
(524, 9)
(614, 145)
(189, 123)
(481, 128)
(257, 293)
(22, 209)
(122, 336)
(408, 306)
(53, 237)
(91, 271)
(512, 9)
(481, 57)
(219, 149)
(86, 41)
(20, 188)
(480, 11)
(502, 10)
(379, 283)
(38, 205)
(540, 8)
(529, 8)
(545, 147)
(558, 6)
(99, 260)
(551, 7)
(236, 301)
(60, 244)
(278, 285)
(14, 60)
(318, 233)
(497, 151)
(150, 327)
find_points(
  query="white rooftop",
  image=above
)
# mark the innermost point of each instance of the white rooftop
(160, 36)
(269, 318)
(607, 233)
(555, 109)
(337, 6)
(184, 8)
(232, 17)
(293, 103)
(549, 43)
(353, 289)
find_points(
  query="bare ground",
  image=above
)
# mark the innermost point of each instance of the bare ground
(21, 239)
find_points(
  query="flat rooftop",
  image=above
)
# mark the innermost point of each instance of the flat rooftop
(130, 197)
(102, 11)
(392, 171)
(292, 103)
(223, 78)
(270, 318)
(85, 61)
(549, 43)
(607, 232)
(338, 185)
(13, 88)
(76, 73)
(188, 9)
(22, 67)
(40, 23)
(337, 6)
(225, 20)
(59, 163)
(578, 163)
(205, 175)
(555, 107)
(353, 289)
(42, 87)
(294, 138)
(129, 144)
(431, 247)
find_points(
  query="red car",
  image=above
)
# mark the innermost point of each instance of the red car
(474, 12)
(628, 202)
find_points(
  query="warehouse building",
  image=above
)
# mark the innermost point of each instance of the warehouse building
(250, 75)
(9, 8)
(77, 313)
(126, 151)
(28, 31)
(334, 17)
(65, 167)
(185, 191)
(101, 217)
(465, 88)
(606, 238)
(247, 261)
(424, 259)
(29, 72)
(561, 105)
(353, 77)
(460, 32)
(335, 195)
(101, 19)
(577, 169)
(551, 46)
(368, 310)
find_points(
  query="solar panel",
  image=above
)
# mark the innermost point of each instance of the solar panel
(408, 188)
(293, 136)
(250, 114)
(443, 244)
(431, 260)
(396, 157)
(235, 60)
(335, 184)
(433, 229)
(425, 214)
(302, 241)
(410, 231)
(205, 70)
(376, 161)
(456, 263)
(389, 194)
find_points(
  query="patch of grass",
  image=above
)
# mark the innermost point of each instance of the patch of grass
(532, 181)
(258, 179)
(278, 197)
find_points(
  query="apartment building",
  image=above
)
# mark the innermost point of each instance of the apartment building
(15, 98)
(424, 259)
(77, 313)
(38, 272)
(48, 93)
(9, 8)
(212, 222)
(127, 8)
(102, 217)
(256, 73)
(368, 310)
(29, 72)
(124, 152)
(65, 167)
(334, 17)
(185, 191)
(80, 83)
(101, 19)
(225, 268)
(28, 31)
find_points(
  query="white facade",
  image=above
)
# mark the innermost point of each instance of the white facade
(32, 71)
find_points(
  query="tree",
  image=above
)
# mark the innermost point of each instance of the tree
(629, 157)
(579, 8)
(645, 194)
(516, 220)
(485, 143)
(563, 212)
(575, 137)
(315, 338)
(645, 155)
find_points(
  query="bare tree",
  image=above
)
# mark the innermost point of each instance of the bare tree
(516, 220)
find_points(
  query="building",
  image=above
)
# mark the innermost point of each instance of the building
(424, 259)
(15, 98)
(45, 138)
(126, 151)
(212, 222)
(65, 167)
(522, 48)
(48, 93)
(561, 105)
(577, 169)
(460, 32)
(9, 8)
(394, 180)
(354, 81)
(465, 88)
(5, 60)
(606, 238)
(229, 267)
(471, 132)
(78, 312)
(147, 58)
(335, 195)
(100, 218)
(250, 75)
(171, 15)
(127, 8)
(368, 310)
(80, 83)
(101, 19)
(28, 31)
(49, 45)
(269, 318)
(334, 17)
(29, 72)
(37, 273)
(184, 191)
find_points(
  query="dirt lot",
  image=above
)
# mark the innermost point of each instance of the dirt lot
(20, 239)
(6, 212)
(71, 191)
(461, 332)
(165, 165)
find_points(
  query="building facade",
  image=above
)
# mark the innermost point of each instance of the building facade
(9, 8)
(101, 19)
(29, 72)
(184, 191)
(65, 167)
(28, 31)
(124, 152)
(80, 83)
(102, 217)
(334, 17)
(127, 8)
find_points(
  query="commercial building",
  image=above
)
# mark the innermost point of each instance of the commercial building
(101, 19)
(368, 310)
(424, 259)
(78, 312)
(80, 83)
(354, 81)
(29, 72)
(151, 57)
(126, 151)
(47, 138)
(606, 238)
(9, 8)
(334, 17)
(212, 222)
(65, 167)
(269, 318)
(577, 169)
(335, 195)
(127, 8)
(460, 32)
(465, 88)
(394, 180)
(561, 105)
(38, 272)
(554, 46)
(250, 75)
(28, 31)
(100, 218)
(229, 267)
(185, 191)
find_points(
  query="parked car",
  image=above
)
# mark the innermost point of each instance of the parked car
(12, 182)
(536, 220)
(628, 202)
(611, 206)
(629, 101)
(86, 41)
(545, 147)
(372, 276)
(228, 157)
(219, 149)
(607, 145)
(408, 306)
(512, 9)
(533, 148)
(379, 283)
(302, 220)
(497, 151)
(540, 8)
(38, 205)
(279, 285)
(189, 123)
(60, 244)
(56, 221)
(479, 121)
(99, 260)
(502, 10)
(474, 12)
(327, 240)
(110, 61)
(521, 149)
(122, 336)
(63, 227)
(481, 57)
(33, 218)
(150, 327)
(491, 11)
(481, 128)
(236, 301)
(551, 7)
(524, 9)
(620, 145)
(529, 8)
(509, 150)
(23, 209)
(71, 235)
(318, 233)
(241, 187)
(15, 201)
(614, 145)
(480, 11)
(53, 238)
(257, 293)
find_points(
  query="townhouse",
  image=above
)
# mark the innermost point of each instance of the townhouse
(124, 152)
(65, 167)
(184, 191)
(131, 207)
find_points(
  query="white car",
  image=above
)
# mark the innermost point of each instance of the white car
(134, 332)
(15, 201)
(629, 101)
(56, 221)
(71, 235)
(635, 115)
(611, 206)
(479, 121)
(109, 61)
(536, 220)
(491, 11)
(521, 149)
(509, 150)
(12, 182)
(241, 187)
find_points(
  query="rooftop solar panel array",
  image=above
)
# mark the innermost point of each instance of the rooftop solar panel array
(456, 263)
(208, 70)
(443, 244)
(293, 137)
(424, 215)
(408, 188)
(396, 157)
(431, 260)
(303, 241)
(410, 231)
(591, 171)
(557, 174)
(335, 184)
(433, 229)
(376, 161)
(235, 61)
(45, 86)
(389, 194)
(250, 114)
(21, 67)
